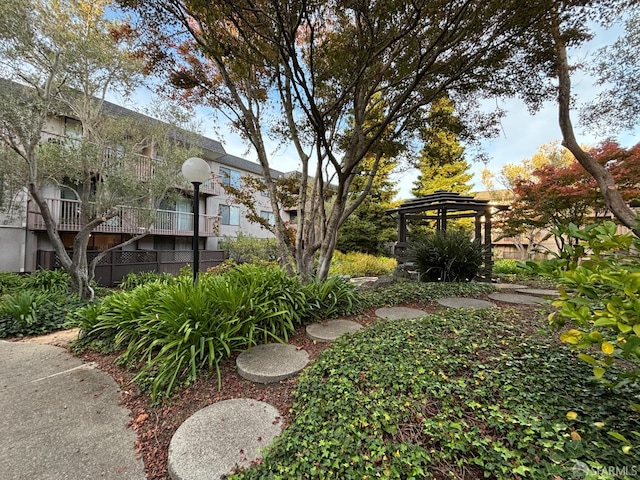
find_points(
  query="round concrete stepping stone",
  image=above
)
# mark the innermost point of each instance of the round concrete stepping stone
(508, 286)
(271, 362)
(212, 441)
(331, 329)
(361, 280)
(398, 313)
(543, 292)
(516, 298)
(465, 303)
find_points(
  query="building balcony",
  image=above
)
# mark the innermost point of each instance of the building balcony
(143, 165)
(129, 220)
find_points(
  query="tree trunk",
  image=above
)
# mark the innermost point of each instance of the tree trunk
(606, 183)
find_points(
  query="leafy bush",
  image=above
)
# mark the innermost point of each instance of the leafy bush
(10, 282)
(355, 264)
(333, 297)
(248, 249)
(50, 281)
(599, 295)
(175, 330)
(133, 279)
(462, 396)
(506, 267)
(449, 256)
(34, 312)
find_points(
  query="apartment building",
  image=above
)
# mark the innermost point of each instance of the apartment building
(26, 246)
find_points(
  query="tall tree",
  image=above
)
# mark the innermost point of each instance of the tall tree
(368, 228)
(524, 223)
(564, 27)
(63, 57)
(556, 195)
(318, 75)
(550, 154)
(441, 162)
(617, 69)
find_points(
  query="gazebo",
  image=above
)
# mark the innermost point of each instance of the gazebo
(443, 206)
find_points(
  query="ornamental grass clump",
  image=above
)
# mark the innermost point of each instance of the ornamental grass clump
(449, 256)
(174, 331)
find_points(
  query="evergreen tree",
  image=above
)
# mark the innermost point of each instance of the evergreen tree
(442, 164)
(368, 228)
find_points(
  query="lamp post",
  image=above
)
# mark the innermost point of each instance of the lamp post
(196, 171)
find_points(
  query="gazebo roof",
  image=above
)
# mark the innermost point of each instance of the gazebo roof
(443, 200)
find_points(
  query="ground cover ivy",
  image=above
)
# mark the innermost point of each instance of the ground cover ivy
(407, 291)
(466, 395)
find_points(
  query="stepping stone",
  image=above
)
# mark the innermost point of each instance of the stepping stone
(271, 362)
(516, 298)
(398, 313)
(539, 291)
(465, 303)
(211, 442)
(330, 330)
(508, 286)
(361, 280)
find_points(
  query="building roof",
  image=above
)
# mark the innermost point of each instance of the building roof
(443, 200)
(211, 146)
(213, 149)
(246, 165)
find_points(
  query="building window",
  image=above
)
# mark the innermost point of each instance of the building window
(229, 215)
(268, 216)
(72, 128)
(230, 177)
(265, 191)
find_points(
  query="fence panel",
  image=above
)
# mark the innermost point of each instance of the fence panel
(117, 264)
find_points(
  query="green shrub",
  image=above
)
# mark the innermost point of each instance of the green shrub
(175, 330)
(466, 395)
(449, 256)
(248, 249)
(333, 297)
(51, 281)
(34, 312)
(599, 295)
(10, 281)
(355, 264)
(506, 267)
(133, 279)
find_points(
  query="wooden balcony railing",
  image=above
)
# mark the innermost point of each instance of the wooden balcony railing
(129, 220)
(143, 165)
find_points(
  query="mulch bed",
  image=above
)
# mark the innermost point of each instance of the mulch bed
(155, 425)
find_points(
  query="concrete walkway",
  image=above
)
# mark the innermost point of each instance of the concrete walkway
(61, 418)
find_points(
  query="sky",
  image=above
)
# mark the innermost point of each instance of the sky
(521, 132)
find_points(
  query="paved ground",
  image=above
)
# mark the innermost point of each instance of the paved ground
(61, 418)
(517, 298)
